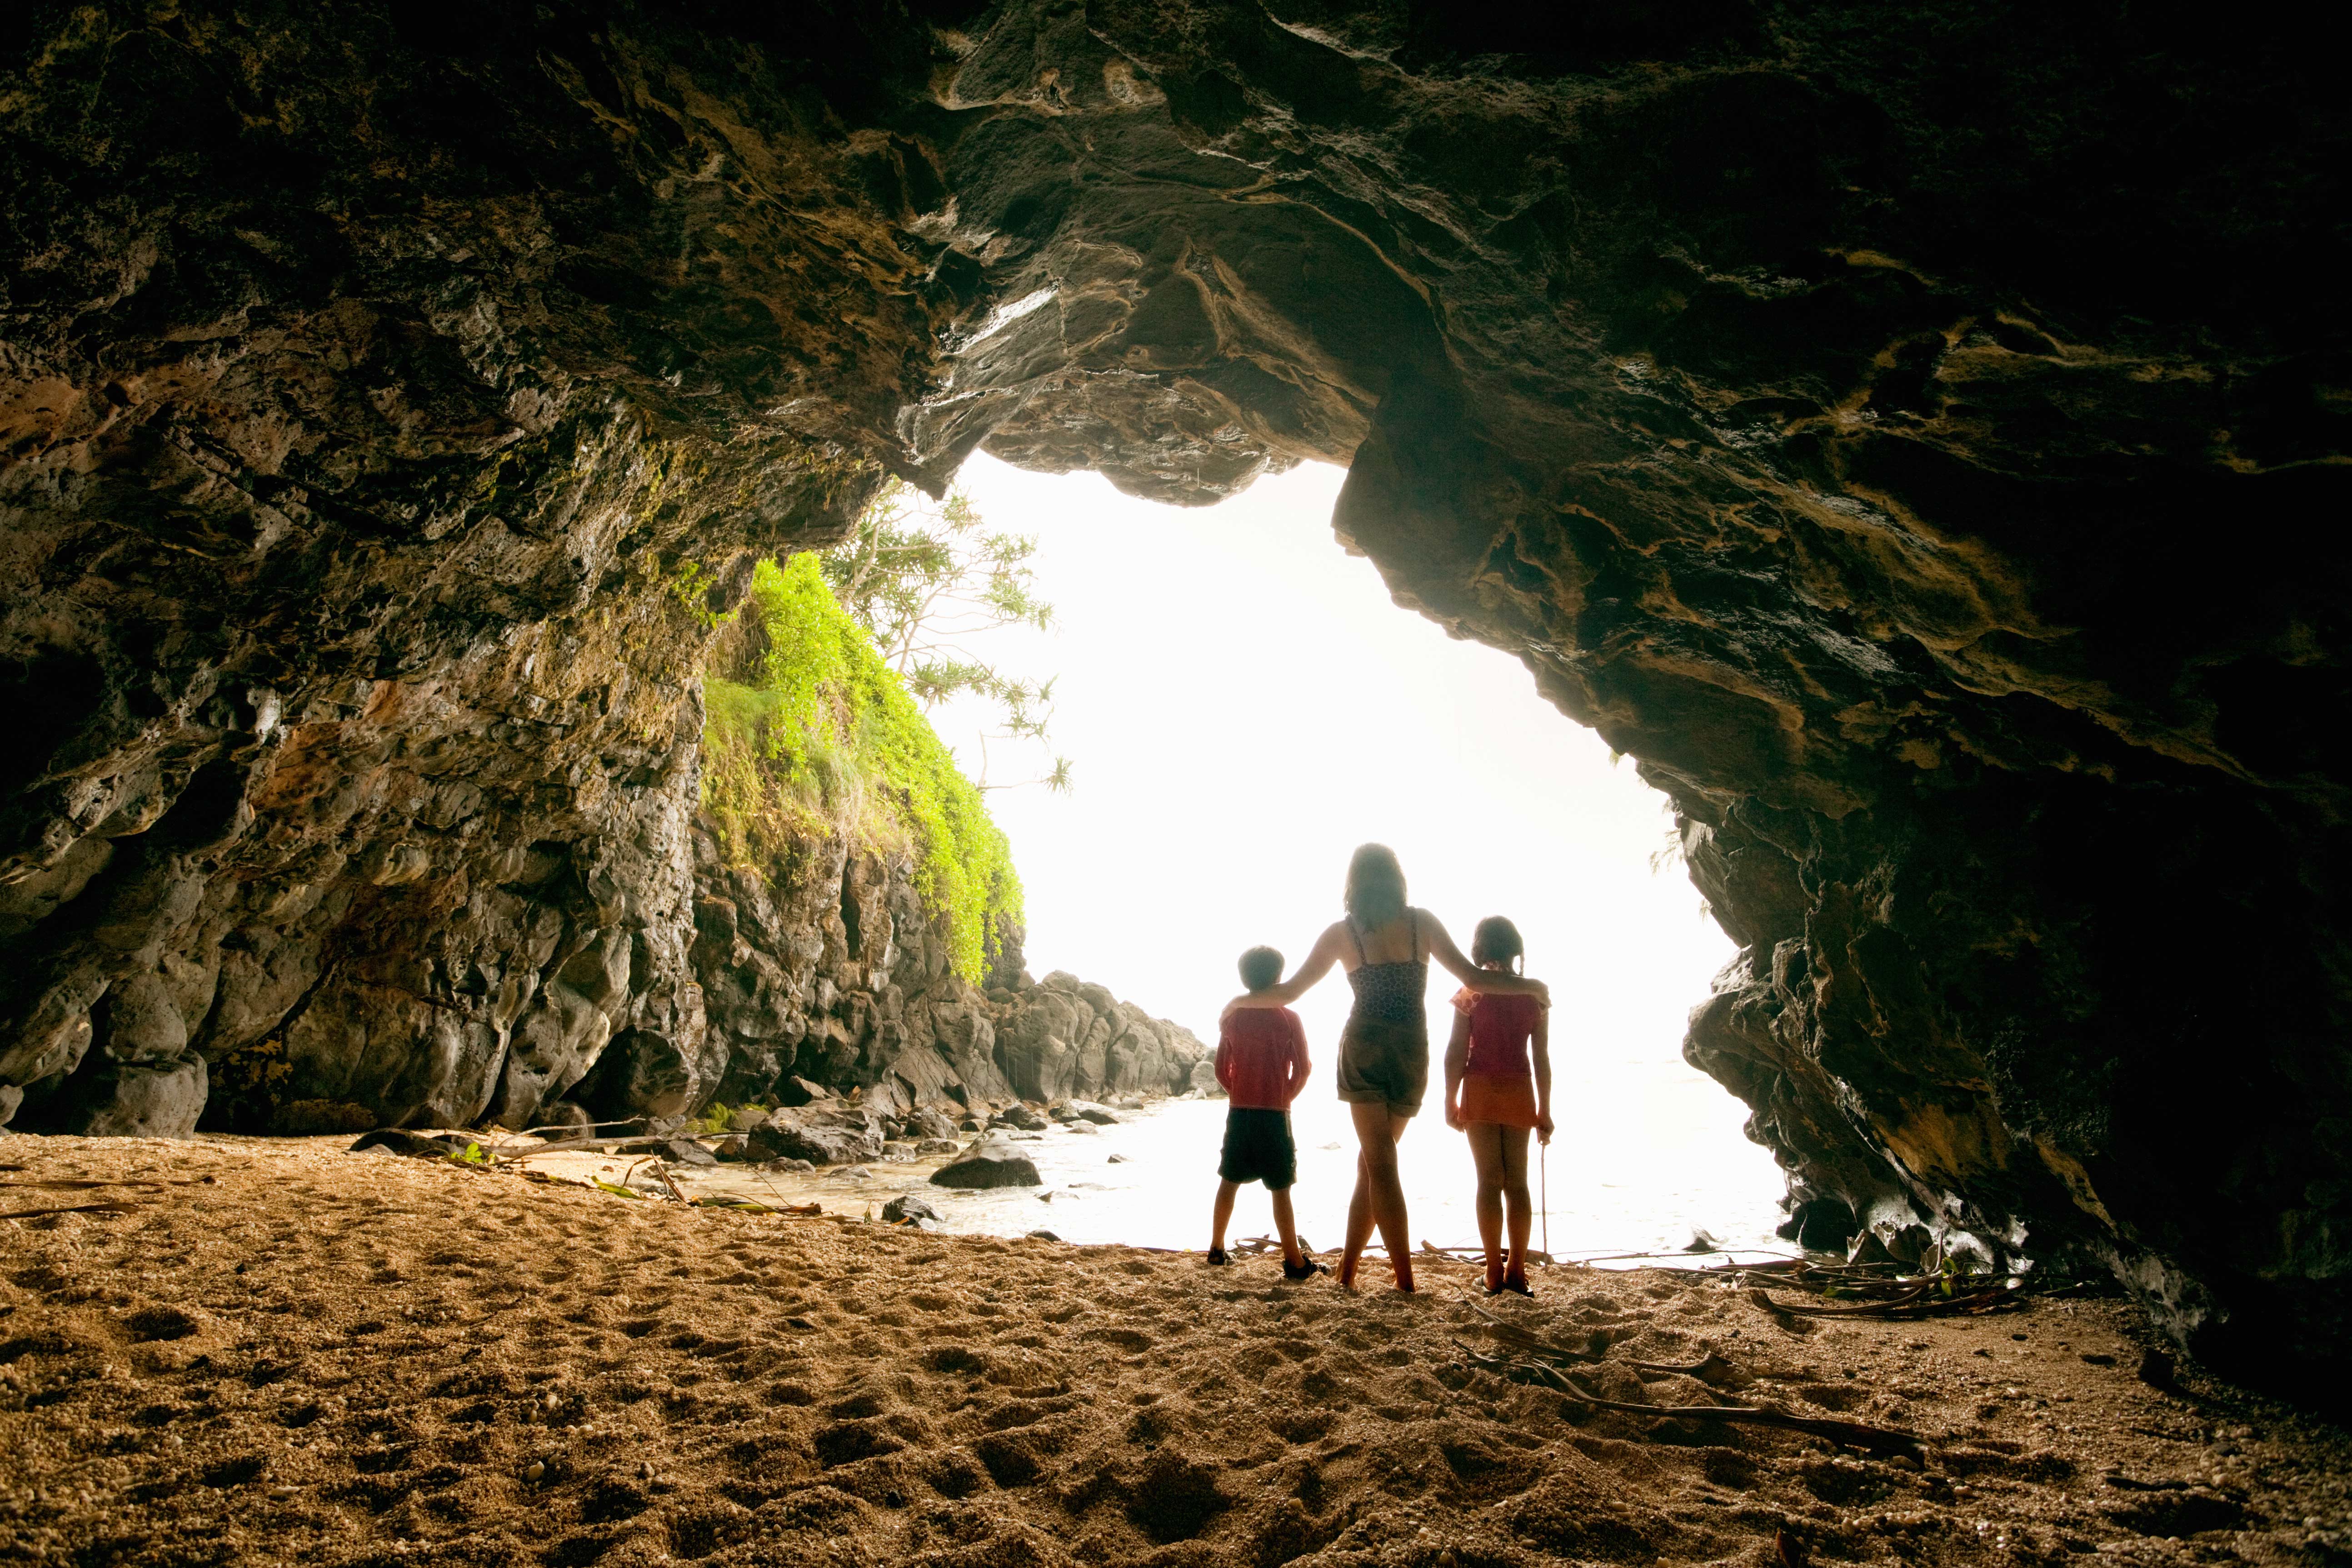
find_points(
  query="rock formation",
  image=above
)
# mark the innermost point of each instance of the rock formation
(1911, 431)
(839, 976)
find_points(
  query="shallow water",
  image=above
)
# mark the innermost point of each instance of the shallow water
(1638, 1168)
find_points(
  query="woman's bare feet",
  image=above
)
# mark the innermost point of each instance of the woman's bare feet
(1348, 1261)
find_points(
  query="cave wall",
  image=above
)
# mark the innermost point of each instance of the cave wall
(1914, 432)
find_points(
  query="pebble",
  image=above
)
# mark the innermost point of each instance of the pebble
(534, 1470)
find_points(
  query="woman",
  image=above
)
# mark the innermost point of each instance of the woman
(1497, 1090)
(1385, 946)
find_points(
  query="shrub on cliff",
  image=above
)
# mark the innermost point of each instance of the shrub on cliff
(809, 732)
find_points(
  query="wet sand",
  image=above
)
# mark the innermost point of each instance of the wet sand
(309, 1356)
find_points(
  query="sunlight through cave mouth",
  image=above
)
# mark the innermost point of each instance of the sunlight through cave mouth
(1242, 704)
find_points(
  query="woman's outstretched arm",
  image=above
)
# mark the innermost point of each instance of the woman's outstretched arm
(1282, 993)
(1498, 981)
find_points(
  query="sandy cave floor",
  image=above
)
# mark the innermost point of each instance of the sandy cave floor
(303, 1355)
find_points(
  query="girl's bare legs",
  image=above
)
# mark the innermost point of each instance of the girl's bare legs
(1511, 1147)
(1486, 1148)
(1379, 1198)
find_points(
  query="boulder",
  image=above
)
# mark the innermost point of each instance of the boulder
(142, 1099)
(937, 1146)
(989, 1163)
(1100, 1115)
(909, 1208)
(924, 1123)
(819, 1140)
(400, 1141)
(1019, 1116)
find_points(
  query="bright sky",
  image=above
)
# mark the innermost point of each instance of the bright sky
(1245, 705)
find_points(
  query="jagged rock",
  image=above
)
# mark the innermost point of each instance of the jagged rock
(909, 1207)
(843, 1142)
(989, 1163)
(1020, 1117)
(1100, 1115)
(938, 1146)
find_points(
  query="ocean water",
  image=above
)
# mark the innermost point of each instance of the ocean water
(1646, 1154)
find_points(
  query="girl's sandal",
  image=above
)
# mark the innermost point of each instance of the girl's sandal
(1513, 1286)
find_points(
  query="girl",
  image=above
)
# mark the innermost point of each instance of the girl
(1385, 945)
(1489, 1095)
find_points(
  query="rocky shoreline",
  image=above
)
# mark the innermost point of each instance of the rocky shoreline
(270, 1351)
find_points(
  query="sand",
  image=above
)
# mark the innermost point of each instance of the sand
(303, 1355)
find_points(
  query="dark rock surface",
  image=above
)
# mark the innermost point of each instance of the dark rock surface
(1916, 432)
(990, 1162)
(836, 974)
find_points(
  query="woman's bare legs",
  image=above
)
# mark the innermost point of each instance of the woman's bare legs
(1486, 1149)
(1379, 1198)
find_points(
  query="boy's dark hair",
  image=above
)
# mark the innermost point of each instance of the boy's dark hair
(1261, 967)
(1496, 937)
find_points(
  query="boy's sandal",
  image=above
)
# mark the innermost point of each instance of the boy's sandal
(1307, 1269)
(1217, 1255)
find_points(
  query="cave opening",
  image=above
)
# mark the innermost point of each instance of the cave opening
(1244, 703)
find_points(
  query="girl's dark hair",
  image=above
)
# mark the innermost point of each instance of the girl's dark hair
(1499, 938)
(1375, 893)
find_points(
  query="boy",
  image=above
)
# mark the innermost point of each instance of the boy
(1261, 1061)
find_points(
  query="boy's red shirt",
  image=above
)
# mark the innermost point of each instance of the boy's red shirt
(1262, 1058)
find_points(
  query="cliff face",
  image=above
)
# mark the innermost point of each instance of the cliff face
(1914, 432)
(836, 973)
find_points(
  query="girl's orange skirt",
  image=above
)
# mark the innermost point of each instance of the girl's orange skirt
(1508, 1101)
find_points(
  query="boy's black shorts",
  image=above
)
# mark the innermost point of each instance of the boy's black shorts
(1258, 1149)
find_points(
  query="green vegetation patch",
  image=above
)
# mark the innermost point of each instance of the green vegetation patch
(816, 735)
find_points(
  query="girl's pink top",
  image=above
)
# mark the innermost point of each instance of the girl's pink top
(1500, 1027)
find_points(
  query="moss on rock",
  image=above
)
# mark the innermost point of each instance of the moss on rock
(809, 732)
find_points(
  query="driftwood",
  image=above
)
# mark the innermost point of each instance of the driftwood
(1850, 1434)
(1707, 1370)
(72, 1208)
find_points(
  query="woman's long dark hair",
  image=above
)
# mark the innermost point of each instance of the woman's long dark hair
(1375, 893)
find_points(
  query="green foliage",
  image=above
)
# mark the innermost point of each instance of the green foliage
(473, 1155)
(819, 734)
(692, 588)
(921, 578)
